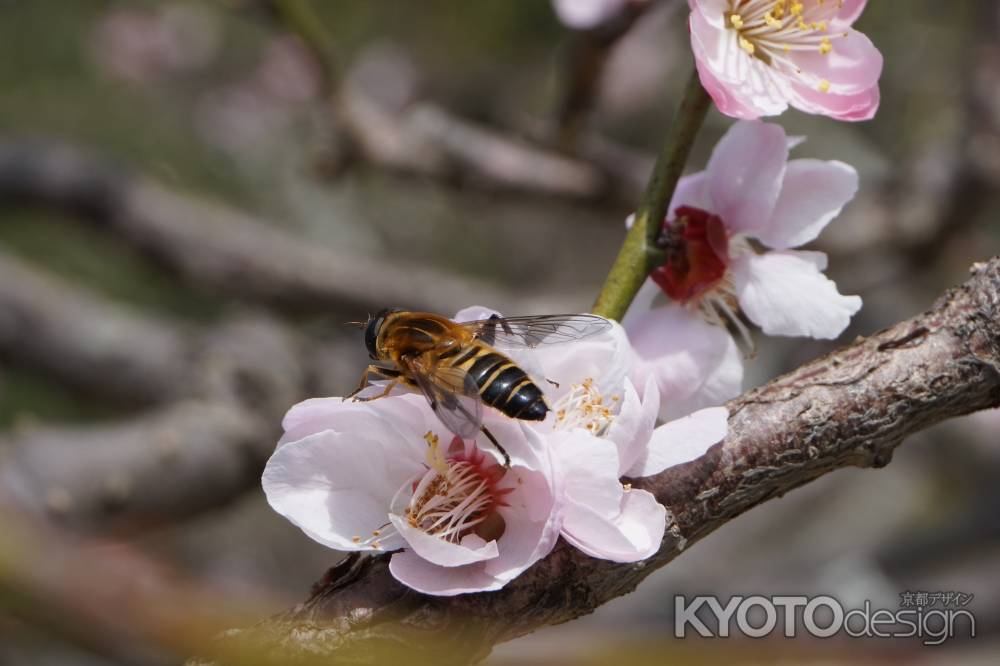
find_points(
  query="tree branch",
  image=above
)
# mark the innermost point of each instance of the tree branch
(214, 247)
(173, 460)
(851, 407)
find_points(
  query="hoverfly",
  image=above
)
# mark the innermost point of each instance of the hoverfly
(460, 366)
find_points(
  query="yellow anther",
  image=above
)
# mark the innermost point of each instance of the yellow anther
(825, 46)
(824, 86)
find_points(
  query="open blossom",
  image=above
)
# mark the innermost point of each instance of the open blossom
(755, 57)
(386, 476)
(712, 272)
(601, 428)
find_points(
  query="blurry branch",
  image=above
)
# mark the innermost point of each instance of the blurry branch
(584, 67)
(222, 391)
(84, 341)
(940, 194)
(641, 251)
(216, 248)
(851, 407)
(423, 139)
(110, 599)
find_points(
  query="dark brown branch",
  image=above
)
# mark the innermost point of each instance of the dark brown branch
(851, 407)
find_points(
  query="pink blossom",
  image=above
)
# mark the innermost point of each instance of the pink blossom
(587, 14)
(712, 272)
(755, 57)
(602, 428)
(382, 476)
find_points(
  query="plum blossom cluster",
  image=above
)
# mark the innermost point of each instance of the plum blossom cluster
(386, 476)
(729, 238)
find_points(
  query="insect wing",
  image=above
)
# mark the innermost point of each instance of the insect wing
(452, 394)
(532, 331)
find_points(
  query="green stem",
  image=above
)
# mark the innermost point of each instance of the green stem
(639, 253)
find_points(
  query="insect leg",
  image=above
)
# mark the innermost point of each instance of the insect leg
(493, 440)
(385, 373)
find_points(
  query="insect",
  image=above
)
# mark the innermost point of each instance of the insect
(460, 366)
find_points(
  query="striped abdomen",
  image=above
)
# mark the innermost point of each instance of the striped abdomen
(502, 385)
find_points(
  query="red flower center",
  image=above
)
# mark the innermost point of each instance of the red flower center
(697, 248)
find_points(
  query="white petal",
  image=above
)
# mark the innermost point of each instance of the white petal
(588, 467)
(523, 543)
(330, 491)
(586, 14)
(643, 302)
(785, 293)
(633, 534)
(745, 174)
(441, 552)
(475, 313)
(604, 358)
(406, 417)
(685, 355)
(633, 426)
(413, 571)
(691, 191)
(682, 440)
(813, 193)
(724, 382)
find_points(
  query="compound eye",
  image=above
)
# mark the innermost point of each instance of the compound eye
(371, 335)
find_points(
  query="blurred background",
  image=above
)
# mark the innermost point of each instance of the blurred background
(194, 196)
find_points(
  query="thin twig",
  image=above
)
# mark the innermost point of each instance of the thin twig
(639, 253)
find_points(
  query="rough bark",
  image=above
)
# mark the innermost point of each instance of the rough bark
(851, 407)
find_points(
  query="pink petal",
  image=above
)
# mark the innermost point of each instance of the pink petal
(586, 14)
(812, 194)
(853, 66)
(740, 85)
(603, 358)
(632, 535)
(785, 293)
(682, 440)
(474, 313)
(441, 552)
(691, 191)
(856, 107)
(848, 12)
(413, 571)
(724, 382)
(332, 494)
(524, 542)
(588, 468)
(633, 426)
(405, 414)
(745, 174)
(685, 356)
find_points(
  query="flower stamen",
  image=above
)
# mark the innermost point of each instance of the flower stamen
(583, 406)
